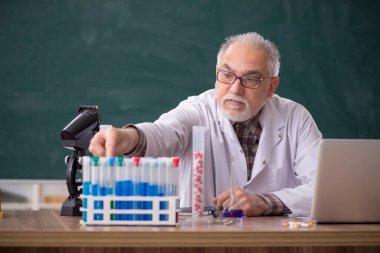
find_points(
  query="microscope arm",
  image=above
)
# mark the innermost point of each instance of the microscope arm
(71, 170)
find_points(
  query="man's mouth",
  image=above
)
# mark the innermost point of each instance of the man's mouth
(233, 104)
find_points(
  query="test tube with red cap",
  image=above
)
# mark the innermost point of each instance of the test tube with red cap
(136, 179)
(174, 174)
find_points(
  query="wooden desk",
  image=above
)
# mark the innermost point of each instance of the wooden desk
(46, 230)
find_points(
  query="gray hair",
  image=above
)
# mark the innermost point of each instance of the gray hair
(257, 41)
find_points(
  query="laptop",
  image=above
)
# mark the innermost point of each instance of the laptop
(347, 186)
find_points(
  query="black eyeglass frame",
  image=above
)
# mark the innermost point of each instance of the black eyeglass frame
(260, 79)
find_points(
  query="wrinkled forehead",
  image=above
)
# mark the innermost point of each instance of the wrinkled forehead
(244, 58)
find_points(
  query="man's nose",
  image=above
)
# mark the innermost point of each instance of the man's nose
(237, 87)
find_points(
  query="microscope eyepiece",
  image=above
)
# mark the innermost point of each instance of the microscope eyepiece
(78, 133)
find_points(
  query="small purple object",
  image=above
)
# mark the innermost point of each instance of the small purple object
(233, 213)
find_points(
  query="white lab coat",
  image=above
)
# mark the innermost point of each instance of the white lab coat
(285, 162)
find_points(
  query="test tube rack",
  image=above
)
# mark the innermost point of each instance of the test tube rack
(129, 191)
(163, 210)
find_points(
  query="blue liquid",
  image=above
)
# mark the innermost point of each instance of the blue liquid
(161, 190)
(95, 190)
(233, 213)
(98, 204)
(143, 189)
(119, 188)
(125, 216)
(86, 188)
(174, 190)
(118, 204)
(98, 216)
(128, 188)
(147, 217)
(103, 191)
(149, 205)
(164, 217)
(161, 193)
(153, 190)
(126, 204)
(164, 205)
(84, 202)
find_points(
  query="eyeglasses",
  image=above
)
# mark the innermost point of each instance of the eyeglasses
(247, 81)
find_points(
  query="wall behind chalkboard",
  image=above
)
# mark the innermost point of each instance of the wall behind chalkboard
(138, 59)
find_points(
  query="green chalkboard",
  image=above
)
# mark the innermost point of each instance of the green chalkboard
(138, 59)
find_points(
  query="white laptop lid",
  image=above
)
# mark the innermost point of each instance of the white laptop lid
(347, 186)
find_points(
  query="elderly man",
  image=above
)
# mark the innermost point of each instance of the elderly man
(267, 143)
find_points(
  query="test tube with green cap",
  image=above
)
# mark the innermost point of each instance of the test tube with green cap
(95, 186)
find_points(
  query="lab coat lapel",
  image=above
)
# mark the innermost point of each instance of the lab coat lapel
(272, 133)
(239, 165)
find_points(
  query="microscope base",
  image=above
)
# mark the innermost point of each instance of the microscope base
(71, 207)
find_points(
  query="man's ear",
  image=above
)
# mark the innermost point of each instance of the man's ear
(273, 86)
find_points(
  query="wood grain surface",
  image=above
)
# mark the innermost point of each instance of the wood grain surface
(46, 228)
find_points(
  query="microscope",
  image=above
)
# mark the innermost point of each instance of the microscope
(77, 136)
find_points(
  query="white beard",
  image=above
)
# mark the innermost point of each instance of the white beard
(236, 116)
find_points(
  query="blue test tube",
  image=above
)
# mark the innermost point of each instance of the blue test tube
(153, 178)
(162, 172)
(95, 176)
(95, 185)
(144, 186)
(127, 187)
(168, 176)
(103, 174)
(136, 178)
(86, 172)
(110, 183)
(161, 176)
(144, 176)
(119, 184)
(110, 177)
(119, 176)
